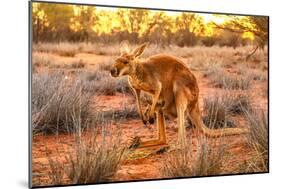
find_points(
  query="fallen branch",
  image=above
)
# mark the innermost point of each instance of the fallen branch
(253, 52)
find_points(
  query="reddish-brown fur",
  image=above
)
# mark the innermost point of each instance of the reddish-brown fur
(171, 84)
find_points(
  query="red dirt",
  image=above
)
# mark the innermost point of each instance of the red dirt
(141, 163)
(138, 168)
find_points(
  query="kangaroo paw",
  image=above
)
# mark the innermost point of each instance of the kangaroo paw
(135, 143)
(151, 120)
(144, 122)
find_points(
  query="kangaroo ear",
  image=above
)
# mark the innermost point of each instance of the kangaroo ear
(138, 51)
(124, 47)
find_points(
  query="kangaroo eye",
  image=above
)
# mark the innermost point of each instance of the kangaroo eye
(126, 62)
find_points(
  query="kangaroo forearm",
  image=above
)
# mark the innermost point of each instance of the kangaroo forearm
(156, 98)
(137, 95)
(139, 107)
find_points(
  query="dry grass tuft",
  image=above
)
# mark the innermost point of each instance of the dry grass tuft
(220, 108)
(258, 140)
(56, 101)
(42, 60)
(78, 64)
(216, 113)
(222, 79)
(228, 81)
(62, 49)
(71, 49)
(93, 158)
(207, 159)
(106, 64)
(236, 103)
(100, 82)
(66, 53)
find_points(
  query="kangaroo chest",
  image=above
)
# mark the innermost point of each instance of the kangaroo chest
(141, 85)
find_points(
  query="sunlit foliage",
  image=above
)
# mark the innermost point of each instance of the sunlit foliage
(61, 22)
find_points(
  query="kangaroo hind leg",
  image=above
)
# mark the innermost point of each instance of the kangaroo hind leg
(161, 138)
(181, 105)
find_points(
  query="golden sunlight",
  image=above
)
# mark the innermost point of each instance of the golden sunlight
(109, 20)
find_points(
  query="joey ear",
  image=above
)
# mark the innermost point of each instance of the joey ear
(138, 51)
(124, 47)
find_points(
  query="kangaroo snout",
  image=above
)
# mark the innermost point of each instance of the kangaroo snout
(114, 72)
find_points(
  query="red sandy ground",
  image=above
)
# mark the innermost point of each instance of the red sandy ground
(147, 167)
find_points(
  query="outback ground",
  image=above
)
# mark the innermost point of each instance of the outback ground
(84, 120)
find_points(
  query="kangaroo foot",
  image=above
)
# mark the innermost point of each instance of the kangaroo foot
(137, 143)
(151, 143)
(162, 150)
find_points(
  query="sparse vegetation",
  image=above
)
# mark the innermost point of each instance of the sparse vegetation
(91, 159)
(62, 49)
(71, 49)
(59, 80)
(79, 109)
(220, 108)
(259, 76)
(79, 64)
(207, 159)
(237, 103)
(228, 81)
(258, 140)
(56, 101)
(105, 65)
(42, 60)
(102, 83)
(217, 115)
(232, 82)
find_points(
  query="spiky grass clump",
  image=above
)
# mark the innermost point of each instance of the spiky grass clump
(216, 113)
(93, 162)
(93, 158)
(178, 164)
(220, 108)
(210, 157)
(258, 140)
(42, 60)
(56, 101)
(207, 159)
(102, 83)
(62, 49)
(232, 82)
(79, 64)
(224, 80)
(236, 103)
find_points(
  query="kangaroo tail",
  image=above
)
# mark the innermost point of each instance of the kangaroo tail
(197, 121)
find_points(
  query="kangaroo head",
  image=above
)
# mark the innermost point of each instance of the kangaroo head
(126, 62)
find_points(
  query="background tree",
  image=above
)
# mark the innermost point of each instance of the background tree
(188, 25)
(158, 29)
(60, 22)
(51, 21)
(257, 25)
(133, 21)
(39, 23)
(83, 23)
